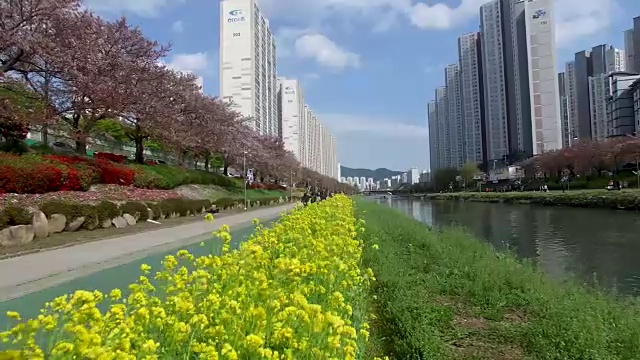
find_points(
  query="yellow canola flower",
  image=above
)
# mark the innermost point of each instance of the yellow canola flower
(295, 290)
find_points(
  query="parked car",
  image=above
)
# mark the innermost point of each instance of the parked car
(61, 147)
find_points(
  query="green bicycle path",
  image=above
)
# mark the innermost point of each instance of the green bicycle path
(115, 277)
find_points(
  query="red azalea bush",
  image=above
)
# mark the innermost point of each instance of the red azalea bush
(112, 173)
(32, 175)
(116, 158)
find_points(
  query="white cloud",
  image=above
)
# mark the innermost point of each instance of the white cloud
(388, 128)
(194, 63)
(325, 52)
(177, 27)
(146, 8)
(574, 18)
(580, 18)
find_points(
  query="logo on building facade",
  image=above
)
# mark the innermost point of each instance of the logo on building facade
(289, 90)
(538, 14)
(236, 16)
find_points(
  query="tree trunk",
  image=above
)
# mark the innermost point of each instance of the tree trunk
(226, 169)
(139, 140)
(207, 160)
(81, 146)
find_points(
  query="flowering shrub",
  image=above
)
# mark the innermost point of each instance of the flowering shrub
(116, 158)
(32, 175)
(295, 291)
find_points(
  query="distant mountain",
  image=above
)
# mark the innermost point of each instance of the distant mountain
(377, 174)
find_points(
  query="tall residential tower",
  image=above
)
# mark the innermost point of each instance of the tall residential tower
(248, 64)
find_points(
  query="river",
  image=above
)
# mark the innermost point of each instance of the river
(599, 247)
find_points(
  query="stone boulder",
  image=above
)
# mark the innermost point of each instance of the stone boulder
(106, 224)
(75, 224)
(17, 235)
(57, 223)
(40, 225)
(131, 220)
(119, 222)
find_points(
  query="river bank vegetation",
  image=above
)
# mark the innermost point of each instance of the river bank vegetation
(294, 291)
(442, 294)
(603, 199)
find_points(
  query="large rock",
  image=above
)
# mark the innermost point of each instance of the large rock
(119, 222)
(91, 223)
(75, 224)
(106, 224)
(40, 225)
(57, 223)
(130, 219)
(17, 235)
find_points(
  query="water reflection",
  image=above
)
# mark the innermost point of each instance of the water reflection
(594, 245)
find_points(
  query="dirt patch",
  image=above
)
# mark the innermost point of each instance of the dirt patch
(515, 317)
(199, 191)
(471, 323)
(478, 349)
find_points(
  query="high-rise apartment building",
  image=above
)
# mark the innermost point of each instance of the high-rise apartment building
(291, 115)
(494, 81)
(248, 63)
(572, 100)
(620, 107)
(469, 57)
(543, 84)
(613, 61)
(517, 78)
(432, 120)
(564, 109)
(454, 102)
(630, 51)
(444, 136)
(636, 44)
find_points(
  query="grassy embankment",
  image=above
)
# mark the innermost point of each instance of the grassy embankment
(441, 294)
(621, 200)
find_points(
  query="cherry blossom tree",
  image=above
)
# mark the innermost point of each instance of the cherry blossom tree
(29, 28)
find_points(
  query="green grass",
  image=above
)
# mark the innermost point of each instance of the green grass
(442, 294)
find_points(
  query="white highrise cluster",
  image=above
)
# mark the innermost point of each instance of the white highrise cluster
(248, 79)
(303, 133)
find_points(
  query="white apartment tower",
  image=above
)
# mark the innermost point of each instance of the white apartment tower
(432, 120)
(248, 64)
(444, 136)
(571, 92)
(292, 115)
(493, 76)
(543, 83)
(471, 90)
(454, 122)
(599, 90)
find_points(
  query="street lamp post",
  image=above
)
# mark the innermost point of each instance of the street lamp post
(244, 170)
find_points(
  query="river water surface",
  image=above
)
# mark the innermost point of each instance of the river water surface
(599, 247)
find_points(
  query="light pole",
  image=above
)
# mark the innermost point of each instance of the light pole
(244, 170)
(290, 185)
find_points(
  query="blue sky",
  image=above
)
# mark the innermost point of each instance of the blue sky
(368, 67)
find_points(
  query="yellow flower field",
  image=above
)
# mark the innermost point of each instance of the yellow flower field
(294, 291)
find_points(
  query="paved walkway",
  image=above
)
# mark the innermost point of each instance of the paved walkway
(29, 273)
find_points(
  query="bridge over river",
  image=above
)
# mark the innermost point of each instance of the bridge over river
(596, 246)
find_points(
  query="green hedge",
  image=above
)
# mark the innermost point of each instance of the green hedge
(105, 210)
(169, 177)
